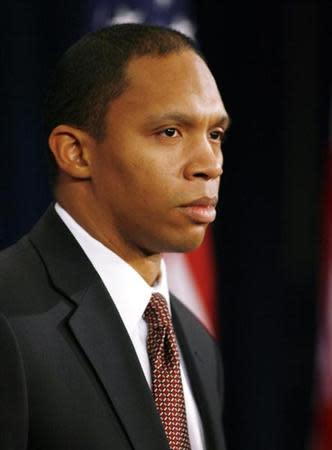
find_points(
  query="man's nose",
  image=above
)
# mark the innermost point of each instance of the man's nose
(206, 161)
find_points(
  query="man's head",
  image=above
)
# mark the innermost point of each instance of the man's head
(136, 124)
(93, 72)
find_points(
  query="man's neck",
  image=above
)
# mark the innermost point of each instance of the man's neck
(148, 266)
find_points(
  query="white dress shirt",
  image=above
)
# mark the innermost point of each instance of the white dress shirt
(131, 295)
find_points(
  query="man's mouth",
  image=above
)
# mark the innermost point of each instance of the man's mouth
(202, 210)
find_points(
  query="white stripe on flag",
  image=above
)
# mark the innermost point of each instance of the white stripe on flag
(182, 284)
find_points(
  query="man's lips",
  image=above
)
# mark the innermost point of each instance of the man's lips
(202, 210)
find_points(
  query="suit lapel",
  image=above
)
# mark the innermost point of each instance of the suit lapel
(100, 333)
(203, 386)
(99, 330)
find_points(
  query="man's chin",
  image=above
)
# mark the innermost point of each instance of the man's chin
(187, 242)
(178, 241)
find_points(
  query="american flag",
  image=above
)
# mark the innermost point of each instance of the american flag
(174, 13)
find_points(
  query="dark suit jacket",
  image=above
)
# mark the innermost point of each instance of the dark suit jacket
(69, 375)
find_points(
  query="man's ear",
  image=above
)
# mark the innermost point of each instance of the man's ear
(71, 148)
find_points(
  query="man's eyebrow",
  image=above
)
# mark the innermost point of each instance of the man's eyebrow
(223, 120)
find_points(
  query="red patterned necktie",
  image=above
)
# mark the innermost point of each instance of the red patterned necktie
(166, 376)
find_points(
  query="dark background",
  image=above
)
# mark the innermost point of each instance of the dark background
(272, 65)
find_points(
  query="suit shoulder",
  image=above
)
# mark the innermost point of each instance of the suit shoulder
(13, 251)
(13, 394)
(16, 257)
(22, 274)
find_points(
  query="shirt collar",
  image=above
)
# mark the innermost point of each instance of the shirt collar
(129, 291)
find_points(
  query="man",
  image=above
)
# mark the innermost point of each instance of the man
(89, 355)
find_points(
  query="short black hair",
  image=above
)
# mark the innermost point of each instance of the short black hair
(92, 73)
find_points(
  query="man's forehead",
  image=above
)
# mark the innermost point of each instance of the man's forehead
(176, 72)
(180, 64)
(178, 84)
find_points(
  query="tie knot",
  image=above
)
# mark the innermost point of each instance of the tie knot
(157, 313)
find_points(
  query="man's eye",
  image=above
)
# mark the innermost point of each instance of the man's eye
(170, 132)
(217, 135)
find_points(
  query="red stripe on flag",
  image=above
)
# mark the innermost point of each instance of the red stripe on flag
(322, 434)
(323, 429)
(203, 267)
